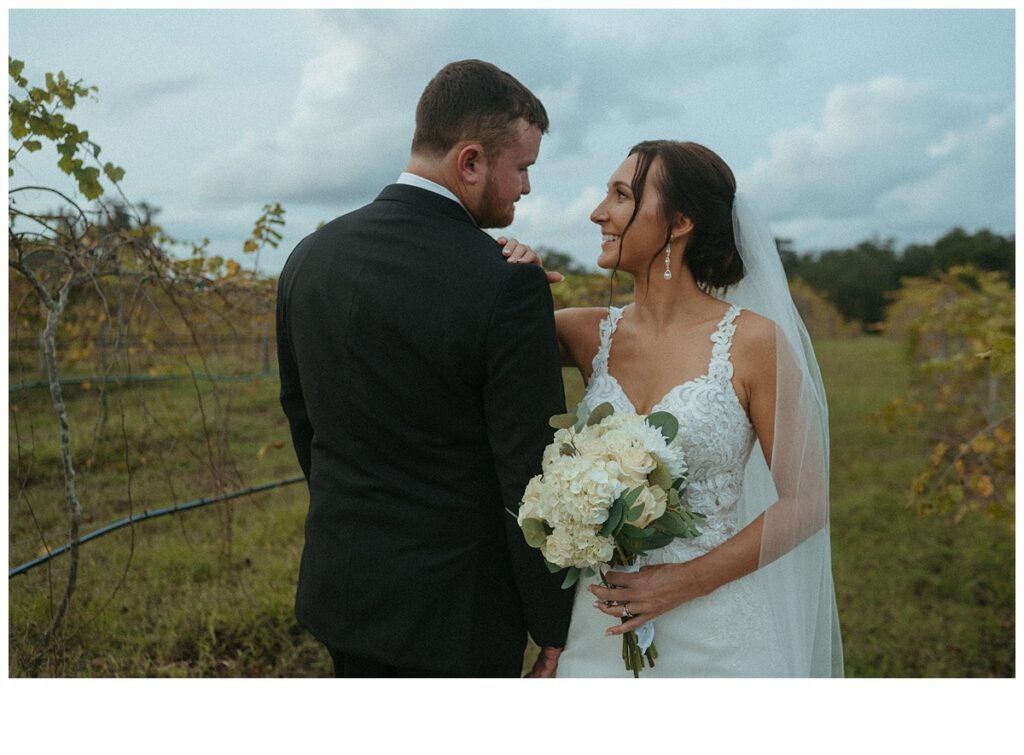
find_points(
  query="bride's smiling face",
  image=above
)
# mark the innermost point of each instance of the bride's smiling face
(645, 237)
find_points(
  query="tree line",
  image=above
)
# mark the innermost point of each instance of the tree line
(861, 281)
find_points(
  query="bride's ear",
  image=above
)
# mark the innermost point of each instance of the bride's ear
(681, 226)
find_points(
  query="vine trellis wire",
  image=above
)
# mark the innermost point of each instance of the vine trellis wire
(121, 379)
(146, 515)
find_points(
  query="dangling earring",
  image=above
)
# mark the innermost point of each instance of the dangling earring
(668, 257)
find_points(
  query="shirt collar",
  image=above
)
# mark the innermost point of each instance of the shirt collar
(425, 183)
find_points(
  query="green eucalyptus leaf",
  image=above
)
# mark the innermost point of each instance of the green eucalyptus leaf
(567, 449)
(658, 540)
(633, 533)
(553, 568)
(631, 512)
(673, 523)
(570, 578)
(630, 545)
(673, 503)
(600, 412)
(615, 516)
(660, 476)
(629, 498)
(562, 421)
(533, 531)
(665, 422)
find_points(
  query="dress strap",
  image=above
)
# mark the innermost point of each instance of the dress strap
(721, 367)
(607, 327)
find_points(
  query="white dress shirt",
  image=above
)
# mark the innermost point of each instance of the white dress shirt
(425, 183)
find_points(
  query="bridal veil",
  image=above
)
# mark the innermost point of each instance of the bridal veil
(795, 566)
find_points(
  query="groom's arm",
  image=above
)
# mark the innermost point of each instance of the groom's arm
(292, 401)
(523, 389)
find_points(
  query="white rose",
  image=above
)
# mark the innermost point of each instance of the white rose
(627, 447)
(654, 500)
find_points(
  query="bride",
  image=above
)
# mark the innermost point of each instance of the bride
(712, 337)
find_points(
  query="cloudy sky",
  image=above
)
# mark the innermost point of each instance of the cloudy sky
(843, 125)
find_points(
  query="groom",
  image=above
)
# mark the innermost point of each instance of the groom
(418, 373)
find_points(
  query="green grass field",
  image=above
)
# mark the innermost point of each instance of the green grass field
(209, 592)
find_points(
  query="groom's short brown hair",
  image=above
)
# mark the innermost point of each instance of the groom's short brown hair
(476, 101)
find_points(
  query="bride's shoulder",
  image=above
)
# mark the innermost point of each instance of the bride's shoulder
(582, 319)
(754, 338)
(579, 330)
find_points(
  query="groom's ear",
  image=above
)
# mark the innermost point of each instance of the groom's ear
(470, 162)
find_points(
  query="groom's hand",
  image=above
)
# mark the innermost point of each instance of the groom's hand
(545, 665)
(517, 251)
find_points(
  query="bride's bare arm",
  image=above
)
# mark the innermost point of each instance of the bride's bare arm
(579, 336)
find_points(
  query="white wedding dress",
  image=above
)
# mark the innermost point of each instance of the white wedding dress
(729, 632)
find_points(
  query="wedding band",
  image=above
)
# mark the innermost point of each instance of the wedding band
(625, 611)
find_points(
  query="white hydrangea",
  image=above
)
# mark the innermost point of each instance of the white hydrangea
(579, 547)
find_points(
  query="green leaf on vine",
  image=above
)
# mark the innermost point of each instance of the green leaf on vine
(112, 172)
(14, 68)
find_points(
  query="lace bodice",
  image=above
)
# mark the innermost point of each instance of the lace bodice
(715, 434)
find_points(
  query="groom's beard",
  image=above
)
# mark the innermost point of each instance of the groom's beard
(493, 212)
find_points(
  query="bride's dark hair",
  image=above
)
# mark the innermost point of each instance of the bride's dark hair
(695, 182)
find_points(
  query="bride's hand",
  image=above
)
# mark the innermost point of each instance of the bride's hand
(517, 251)
(648, 593)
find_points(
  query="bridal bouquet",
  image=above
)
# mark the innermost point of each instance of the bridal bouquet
(609, 492)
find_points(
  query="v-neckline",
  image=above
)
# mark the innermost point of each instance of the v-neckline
(657, 403)
(702, 377)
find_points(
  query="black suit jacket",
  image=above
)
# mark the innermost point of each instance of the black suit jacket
(418, 373)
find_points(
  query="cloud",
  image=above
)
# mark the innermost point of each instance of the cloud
(352, 116)
(971, 180)
(889, 156)
(131, 99)
(341, 139)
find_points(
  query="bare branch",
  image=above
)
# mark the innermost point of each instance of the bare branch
(44, 295)
(48, 340)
